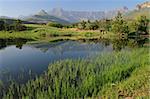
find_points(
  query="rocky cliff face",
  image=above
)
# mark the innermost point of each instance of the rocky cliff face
(76, 16)
(143, 5)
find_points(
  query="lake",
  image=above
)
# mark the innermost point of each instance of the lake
(21, 61)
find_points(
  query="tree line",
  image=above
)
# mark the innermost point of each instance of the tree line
(15, 26)
(117, 25)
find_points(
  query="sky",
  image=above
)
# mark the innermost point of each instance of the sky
(15, 8)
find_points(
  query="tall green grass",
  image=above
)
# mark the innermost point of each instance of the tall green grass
(92, 77)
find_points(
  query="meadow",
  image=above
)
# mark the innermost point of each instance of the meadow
(47, 33)
(107, 75)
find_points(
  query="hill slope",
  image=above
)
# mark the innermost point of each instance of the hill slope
(135, 13)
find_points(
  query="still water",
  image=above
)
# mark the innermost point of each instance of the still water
(21, 62)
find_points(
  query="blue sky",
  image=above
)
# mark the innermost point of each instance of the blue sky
(15, 8)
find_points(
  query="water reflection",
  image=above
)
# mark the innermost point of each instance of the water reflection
(18, 42)
(117, 43)
(34, 58)
(132, 42)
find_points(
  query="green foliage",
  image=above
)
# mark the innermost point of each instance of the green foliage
(87, 25)
(104, 24)
(119, 25)
(54, 24)
(142, 27)
(139, 26)
(16, 26)
(81, 25)
(133, 26)
(84, 78)
(2, 25)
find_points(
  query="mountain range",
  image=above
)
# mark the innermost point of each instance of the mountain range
(76, 16)
(62, 16)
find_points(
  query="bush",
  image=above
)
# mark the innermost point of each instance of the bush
(54, 24)
(119, 25)
(16, 26)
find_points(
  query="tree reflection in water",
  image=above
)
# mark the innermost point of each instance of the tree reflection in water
(130, 42)
(117, 43)
(18, 42)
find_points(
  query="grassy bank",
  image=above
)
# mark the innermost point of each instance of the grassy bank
(43, 32)
(118, 74)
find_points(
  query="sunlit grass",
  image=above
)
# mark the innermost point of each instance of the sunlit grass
(44, 32)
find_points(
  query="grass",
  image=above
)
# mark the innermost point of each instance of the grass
(107, 75)
(43, 32)
(137, 85)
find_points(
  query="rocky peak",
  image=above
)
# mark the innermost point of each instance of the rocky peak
(57, 11)
(143, 5)
(42, 12)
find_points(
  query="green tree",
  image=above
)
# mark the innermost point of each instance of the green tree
(81, 25)
(104, 24)
(119, 25)
(17, 26)
(94, 26)
(2, 27)
(88, 25)
(142, 27)
(54, 24)
(133, 25)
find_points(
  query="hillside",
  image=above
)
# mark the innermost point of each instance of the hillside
(12, 20)
(138, 12)
(141, 9)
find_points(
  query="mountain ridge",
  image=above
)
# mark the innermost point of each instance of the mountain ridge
(76, 16)
(43, 17)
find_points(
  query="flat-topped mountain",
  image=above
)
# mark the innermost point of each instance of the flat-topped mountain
(76, 16)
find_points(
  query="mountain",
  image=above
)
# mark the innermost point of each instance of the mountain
(76, 16)
(43, 17)
(62, 16)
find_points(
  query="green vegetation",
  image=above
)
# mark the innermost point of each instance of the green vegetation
(82, 30)
(54, 24)
(44, 32)
(119, 25)
(116, 75)
(15, 26)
